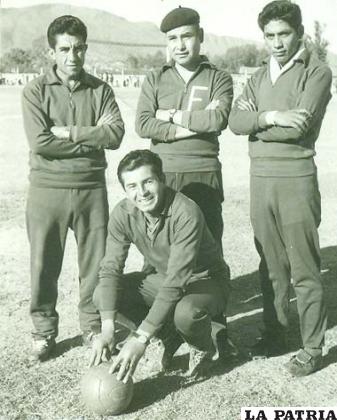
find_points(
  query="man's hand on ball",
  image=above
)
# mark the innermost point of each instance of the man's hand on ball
(101, 349)
(127, 359)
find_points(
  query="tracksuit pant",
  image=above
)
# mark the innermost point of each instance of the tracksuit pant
(204, 188)
(50, 213)
(285, 215)
(203, 300)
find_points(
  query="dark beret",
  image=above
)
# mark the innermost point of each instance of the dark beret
(179, 17)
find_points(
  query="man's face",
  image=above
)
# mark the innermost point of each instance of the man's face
(184, 45)
(282, 40)
(69, 55)
(144, 189)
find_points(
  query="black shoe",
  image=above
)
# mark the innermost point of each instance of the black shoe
(200, 363)
(171, 345)
(269, 346)
(303, 364)
(223, 344)
(42, 348)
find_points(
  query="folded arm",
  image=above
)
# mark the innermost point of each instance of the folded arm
(109, 129)
(38, 126)
(147, 125)
(214, 117)
(275, 125)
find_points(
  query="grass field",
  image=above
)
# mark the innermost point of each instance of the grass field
(51, 390)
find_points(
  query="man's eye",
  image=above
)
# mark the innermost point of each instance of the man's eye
(81, 48)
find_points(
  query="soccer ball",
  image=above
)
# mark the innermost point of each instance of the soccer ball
(102, 393)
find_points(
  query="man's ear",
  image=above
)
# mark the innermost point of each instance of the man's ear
(51, 53)
(300, 31)
(163, 178)
(201, 35)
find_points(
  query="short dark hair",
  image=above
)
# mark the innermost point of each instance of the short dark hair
(137, 158)
(66, 24)
(281, 10)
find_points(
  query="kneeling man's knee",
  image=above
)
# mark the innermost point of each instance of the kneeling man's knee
(187, 316)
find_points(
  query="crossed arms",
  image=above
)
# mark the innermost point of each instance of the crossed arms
(63, 142)
(153, 122)
(274, 125)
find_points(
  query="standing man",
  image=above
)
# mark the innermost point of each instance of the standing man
(281, 109)
(190, 286)
(70, 117)
(183, 108)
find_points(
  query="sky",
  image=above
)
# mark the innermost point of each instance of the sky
(221, 17)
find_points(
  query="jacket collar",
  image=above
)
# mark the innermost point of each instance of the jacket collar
(51, 78)
(204, 63)
(303, 58)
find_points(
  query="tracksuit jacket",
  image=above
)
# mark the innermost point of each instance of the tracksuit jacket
(165, 89)
(284, 151)
(183, 250)
(80, 161)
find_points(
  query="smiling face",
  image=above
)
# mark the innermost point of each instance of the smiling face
(184, 45)
(282, 40)
(69, 55)
(144, 189)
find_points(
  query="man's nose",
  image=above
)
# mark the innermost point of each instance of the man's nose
(72, 54)
(142, 190)
(181, 44)
(277, 42)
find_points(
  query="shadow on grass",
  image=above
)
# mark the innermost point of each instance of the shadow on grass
(156, 388)
(330, 358)
(245, 306)
(66, 345)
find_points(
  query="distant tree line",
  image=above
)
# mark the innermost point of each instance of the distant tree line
(34, 59)
(37, 58)
(26, 61)
(248, 55)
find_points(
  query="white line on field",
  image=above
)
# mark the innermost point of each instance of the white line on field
(249, 313)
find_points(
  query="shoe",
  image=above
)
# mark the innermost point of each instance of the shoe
(200, 363)
(223, 344)
(42, 348)
(269, 346)
(88, 338)
(171, 345)
(303, 363)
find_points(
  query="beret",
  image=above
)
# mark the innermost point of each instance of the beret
(179, 17)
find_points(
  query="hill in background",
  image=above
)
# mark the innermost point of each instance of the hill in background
(111, 38)
(103, 28)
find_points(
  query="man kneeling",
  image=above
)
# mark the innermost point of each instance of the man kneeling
(189, 284)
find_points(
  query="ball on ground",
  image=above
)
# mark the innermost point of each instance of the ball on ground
(102, 393)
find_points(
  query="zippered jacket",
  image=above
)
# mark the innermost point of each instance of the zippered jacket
(80, 161)
(182, 249)
(165, 89)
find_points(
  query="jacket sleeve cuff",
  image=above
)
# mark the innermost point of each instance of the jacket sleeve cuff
(185, 119)
(148, 328)
(108, 315)
(171, 133)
